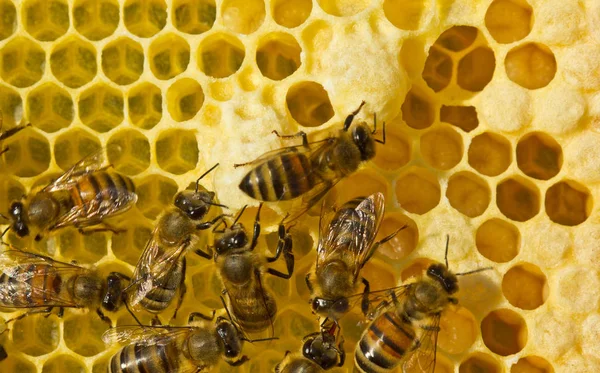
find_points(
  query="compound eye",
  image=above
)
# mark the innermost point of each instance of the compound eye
(341, 305)
(197, 213)
(239, 239)
(360, 135)
(21, 230)
(319, 304)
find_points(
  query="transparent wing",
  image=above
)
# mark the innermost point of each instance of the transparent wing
(29, 272)
(352, 231)
(145, 335)
(88, 164)
(154, 266)
(425, 356)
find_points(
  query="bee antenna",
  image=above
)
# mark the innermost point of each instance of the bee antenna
(239, 215)
(2, 236)
(374, 123)
(4, 217)
(473, 271)
(447, 244)
(215, 204)
(204, 174)
(350, 117)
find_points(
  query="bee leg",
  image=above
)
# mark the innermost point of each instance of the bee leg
(286, 247)
(125, 301)
(342, 353)
(103, 317)
(208, 224)
(382, 241)
(299, 134)
(4, 150)
(256, 231)
(156, 321)
(29, 313)
(364, 304)
(308, 282)
(194, 315)
(350, 117)
(280, 244)
(100, 228)
(238, 362)
(204, 254)
(182, 291)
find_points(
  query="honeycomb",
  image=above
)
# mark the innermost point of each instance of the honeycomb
(493, 124)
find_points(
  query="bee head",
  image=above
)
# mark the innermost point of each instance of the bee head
(194, 204)
(228, 334)
(114, 291)
(334, 309)
(444, 277)
(16, 212)
(363, 139)
(233, 238)
(321, 349)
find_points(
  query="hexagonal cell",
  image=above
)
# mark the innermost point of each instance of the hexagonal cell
(177, 151)
(16, 363)
(437, 71)
(220, 55)
(83, 333)
(96, 19)
(489, 154)
(29, 153)
(397, 151)
(405, 14)
(568, 203)
(463, 117)
(416, 268)
(504, 332)
(131, 155)
(418, 109)
(468, 193)
(362, 183)
(88, 248)
(8, 22)
(498, 240)
(101, 107)
(155, 195)
(509, 20)
(308, 103)
(421, 358)
(442, 148)
(530, 65)
(11, 107)
(539, 156)
(46, 20)
(123, 61)
(129, 245)
(343, 8)
(291, 13)
(184, 99)
(457, 38)
(73, 62)
(36, 335)
(404, 242)
(145, 105)
(532, 364)
(380, 274)
(194, 16)
(63, 363)
(11, 190)
(73, 145)
(207, 287)
(169, 56)
(459, 330)
(22, 62)
(480, 362)
(278, 55)
(50, 108)
(317, 36)
(243, 16)
(518, 199)
(476, 69)
(145, 18)
(417, 190)
(525, 286)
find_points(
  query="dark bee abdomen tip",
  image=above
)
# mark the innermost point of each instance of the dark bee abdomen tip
(246, 185)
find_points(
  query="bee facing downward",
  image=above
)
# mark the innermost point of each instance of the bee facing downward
(410, 323)
(311, 169)
(160, 271)
(82, 197)
(240, 268)
(33, 281)
(346, 243)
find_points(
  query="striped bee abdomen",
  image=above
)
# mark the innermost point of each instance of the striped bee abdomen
(150, 358)
(104, 193)
(254, 309)
(280, 178)
(161, 295)
(384, 344)
(41, 280)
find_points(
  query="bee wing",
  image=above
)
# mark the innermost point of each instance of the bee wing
(154, 265)
(22, 267)
(88, 164)
(353, 231)
(426, 355)
(145, 335)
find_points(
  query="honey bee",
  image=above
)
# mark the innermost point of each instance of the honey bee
(32, 281)
(240, 268)
(319, 353)
(166, 349)
(82, 197)
(346, 243)
(11, 132)
(410, 323)
(160, 271)
(310, 169)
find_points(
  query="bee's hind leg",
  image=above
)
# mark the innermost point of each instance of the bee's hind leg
(182, 291)
(29, 313)
(285, 246)
(298, 134)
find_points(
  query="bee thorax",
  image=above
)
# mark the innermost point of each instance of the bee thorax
(175, 226)
(87, 289)
(237, 269)
(204, 346)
